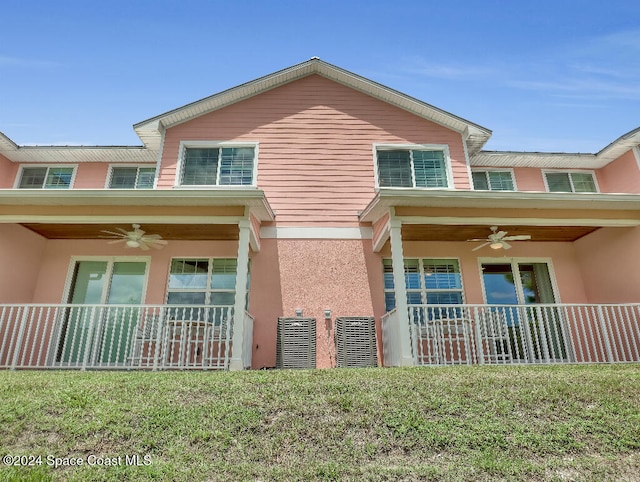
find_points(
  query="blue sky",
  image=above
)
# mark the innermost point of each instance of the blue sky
(544, 75)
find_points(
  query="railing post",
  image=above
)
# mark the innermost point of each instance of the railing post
(605, 334)
(242, 274)
(478, 333)
(159, 342)
(18, 345)
(89, 348)
(408, 357)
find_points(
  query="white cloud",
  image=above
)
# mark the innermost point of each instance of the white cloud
(450, 71)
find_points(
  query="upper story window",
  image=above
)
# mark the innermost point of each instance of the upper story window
(46, 177)
(493, 180)
(414, 166)
(570, 181)
(132, 177)
(217, 165)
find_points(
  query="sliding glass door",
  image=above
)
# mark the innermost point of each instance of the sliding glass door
(95, 334)
(533, 329)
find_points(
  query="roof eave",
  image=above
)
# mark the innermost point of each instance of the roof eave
(386, 198)
(254, 199)
(559, 160)
(149, 130)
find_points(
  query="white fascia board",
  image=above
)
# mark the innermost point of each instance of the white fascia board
(117, 219)
(506, 221)
(295, 232)
(146, 130)
(387, 198)
(252, 198)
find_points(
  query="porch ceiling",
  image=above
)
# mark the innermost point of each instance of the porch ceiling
(440, 232)
(193, 232)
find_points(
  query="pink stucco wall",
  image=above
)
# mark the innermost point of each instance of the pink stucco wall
(21, 251)
(316, 160)
(621, 175)
(610, 263)
(312, 275)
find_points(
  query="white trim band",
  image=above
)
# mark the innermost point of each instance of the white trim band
(275, 232)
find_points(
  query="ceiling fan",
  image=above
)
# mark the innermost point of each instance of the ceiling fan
(498, 239)
(136, 238)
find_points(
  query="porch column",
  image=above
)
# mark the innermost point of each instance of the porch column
(397, 259)
(237, 357)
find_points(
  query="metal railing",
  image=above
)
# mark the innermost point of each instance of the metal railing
(517, 334)
(145, 337)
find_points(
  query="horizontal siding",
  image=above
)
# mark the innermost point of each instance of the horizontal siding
(91, 176)
(378, 227)
(315, 147)
(621, 175)
(8, 172)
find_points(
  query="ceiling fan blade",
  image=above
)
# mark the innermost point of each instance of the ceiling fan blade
(481, 246)
(120, 235)
(517, 237)
(152, 236)
(121, 240)
(505, 245)
(143, 246)
(477, 239)
(499, 235)
(158, 244)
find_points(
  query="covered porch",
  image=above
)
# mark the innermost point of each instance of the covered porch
(564, 291)
(515, 334)
(84, 300)
(123, 337)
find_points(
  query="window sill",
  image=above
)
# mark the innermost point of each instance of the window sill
(215, 187)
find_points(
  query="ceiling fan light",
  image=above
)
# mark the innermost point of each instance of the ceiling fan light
(495, 245)
(132, 243)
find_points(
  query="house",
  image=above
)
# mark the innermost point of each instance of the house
(314, 193)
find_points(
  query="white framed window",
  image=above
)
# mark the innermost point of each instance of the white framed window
(204, 163)
(204, 281)
(493, 180)
(570, 181)
(131, 177)
(46, 177)
(429, 281)
(413, 166)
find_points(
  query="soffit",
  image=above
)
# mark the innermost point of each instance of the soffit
(558, 160)
(254, 199)
(386, 199)
(440, 232)
(75, 154)
(175, 232)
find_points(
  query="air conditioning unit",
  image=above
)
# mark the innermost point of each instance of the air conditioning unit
(296, 343)
(355, 339)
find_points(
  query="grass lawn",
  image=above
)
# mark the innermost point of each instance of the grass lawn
(462, 423)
